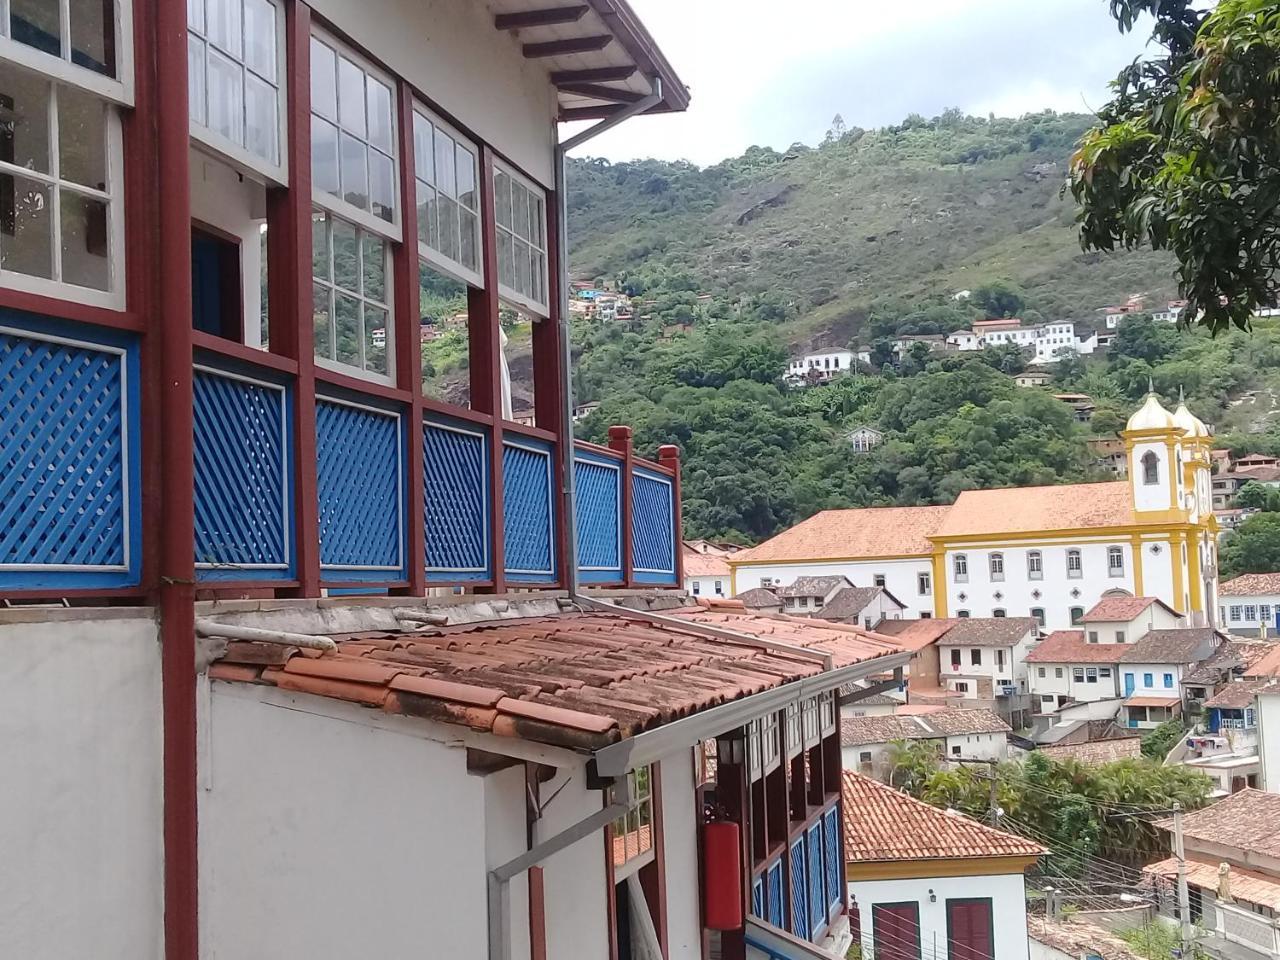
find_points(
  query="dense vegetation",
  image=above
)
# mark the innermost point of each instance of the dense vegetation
(1065, 805)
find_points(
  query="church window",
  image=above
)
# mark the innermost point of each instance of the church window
(1150, 468)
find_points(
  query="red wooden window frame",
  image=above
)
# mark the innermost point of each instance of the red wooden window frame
(970, 929)
(895, 930)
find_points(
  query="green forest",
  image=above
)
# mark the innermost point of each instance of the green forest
(868, 236)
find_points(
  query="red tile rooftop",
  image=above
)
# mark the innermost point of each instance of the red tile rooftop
(578, 680)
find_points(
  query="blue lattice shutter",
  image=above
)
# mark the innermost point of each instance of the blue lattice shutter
(799, 891)
(241, 477)
(599, 514)
(358, 478)
(774, 882)
(833, 858)
(653, 536)
(455, 497)
(757, 898)
(526, 512)
(817, 908)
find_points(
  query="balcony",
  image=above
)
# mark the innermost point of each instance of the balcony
(74, 484)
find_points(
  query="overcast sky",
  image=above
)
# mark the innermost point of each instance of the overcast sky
(773, 73)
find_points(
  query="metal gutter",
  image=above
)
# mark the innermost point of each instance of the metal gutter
(644, 748)
(566, 328)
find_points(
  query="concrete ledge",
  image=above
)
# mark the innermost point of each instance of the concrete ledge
(35, 614)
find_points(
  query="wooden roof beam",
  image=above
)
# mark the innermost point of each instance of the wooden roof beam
(547, 17)
(592, 75)
(560, 48)
(595, 91)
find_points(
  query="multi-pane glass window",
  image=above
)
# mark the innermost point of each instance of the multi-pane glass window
(59, 170)
(521, 210)
(447, 172)
(961, 567)
(79, 32)
(233, 74)
(996, 562)
(1250, 613)
(1035, 565)
(633, 831)
(352, 288)
(1075, 568)
(1115, 561)
(353, 133)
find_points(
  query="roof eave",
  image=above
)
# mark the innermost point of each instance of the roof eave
(652, 745)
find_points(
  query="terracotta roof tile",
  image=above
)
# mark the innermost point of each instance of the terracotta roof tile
(813, 586)
(856, 731)
(988, 631)
(1248, 885)
(849, 603)
(579, 680)
(1079, 938)
(1070, 646)
(1141, 701)
(1238, 694)
(704, 565)
(1231, 656)
(1035, 509)
(1249, 820)
(1251, 585)
(915, 634)
(1095, 752)
(882, 824)
(1117, 609)
(1180, 645)
(759, 597)
(866, 532)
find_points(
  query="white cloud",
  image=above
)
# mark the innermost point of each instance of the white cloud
(764, 73)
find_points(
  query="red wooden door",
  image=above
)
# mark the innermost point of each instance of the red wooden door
(896, 931)
(969, 934)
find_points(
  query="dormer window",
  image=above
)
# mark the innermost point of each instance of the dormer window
(1150, 469)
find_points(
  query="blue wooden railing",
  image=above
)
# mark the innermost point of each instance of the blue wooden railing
(71, 508)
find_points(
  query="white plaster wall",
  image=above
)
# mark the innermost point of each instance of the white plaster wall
(451, 52)
(882, 608)
(334, 838)
(1157, 578)
(707, 586)
(1105, 688)
(1150, 496)
(505, 816)
(1013, 670)
(1269, 740)
(80, 809)
(680, 849)
(979, 746)
(577, 887)
(222, 198)
(1157, 686)
(900, 577)
(867, 710)
(1017, 587)
(1008, 907)
(1235, 620)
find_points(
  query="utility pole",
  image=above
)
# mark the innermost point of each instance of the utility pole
(1184, 899)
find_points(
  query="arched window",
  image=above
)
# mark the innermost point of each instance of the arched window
(1075, 569)
(960, 564)
(996, 563)
(1150, 468)
(1115, 561)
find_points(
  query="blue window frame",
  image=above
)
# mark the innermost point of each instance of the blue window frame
(1168, 680)
(1148, 680)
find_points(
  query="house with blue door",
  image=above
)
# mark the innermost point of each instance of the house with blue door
(1152, 670)
(928, 882)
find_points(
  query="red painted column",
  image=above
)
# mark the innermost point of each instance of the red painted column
(669, 457)
(620, 441)
(171, 324)
(486, 372)
(406, 321)
(289, 292)
(548, 384)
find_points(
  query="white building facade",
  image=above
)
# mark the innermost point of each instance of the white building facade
(1250, 605)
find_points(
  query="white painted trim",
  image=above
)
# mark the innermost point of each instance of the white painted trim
(484, 497)
(505, 292)
(435, 258)
(119, 92)
(616, 468)
(551, 497)
(393, 230)
(122, 356)
(286, 527)
(331, 285)
(400, 497)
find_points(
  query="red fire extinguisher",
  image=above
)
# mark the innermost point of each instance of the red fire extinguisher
(722, 876)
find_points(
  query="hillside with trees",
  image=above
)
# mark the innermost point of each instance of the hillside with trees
(867, 236)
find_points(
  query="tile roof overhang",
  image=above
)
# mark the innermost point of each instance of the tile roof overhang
(1251, 585)
(1248, 885)
(883, 825)
(581, 681)
(598, 55)
(1141, 701)
(1238, 694)
(1120, 609)
(1070, 646)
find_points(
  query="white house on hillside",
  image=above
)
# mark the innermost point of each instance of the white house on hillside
(865, 742)
(1250, 605)
(982, 657)
(821, 365)
(928, 882)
